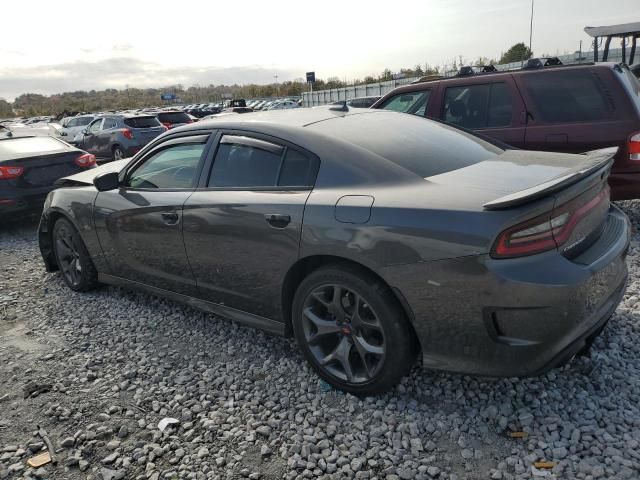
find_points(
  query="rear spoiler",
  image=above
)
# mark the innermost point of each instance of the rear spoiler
(596, 160)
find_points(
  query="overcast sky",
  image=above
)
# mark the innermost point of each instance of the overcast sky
(49, 47)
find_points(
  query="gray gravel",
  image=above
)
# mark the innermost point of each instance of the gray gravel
(100, 370)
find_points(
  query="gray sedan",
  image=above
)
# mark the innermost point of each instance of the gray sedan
(372, 237)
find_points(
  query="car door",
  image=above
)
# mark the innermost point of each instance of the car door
(140, 224)
(89, 142)
(242, 229)
(103, 140)
(491, 108)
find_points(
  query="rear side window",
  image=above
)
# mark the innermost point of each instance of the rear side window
(109, 123)
(409, 102)
(243, 162)
(83, 121)
(33, 145)
(569, 96)
(174, 117)
(478, 106)
(142, 122)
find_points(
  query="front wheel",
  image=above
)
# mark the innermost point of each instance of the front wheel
(72, 257)
(352, 330)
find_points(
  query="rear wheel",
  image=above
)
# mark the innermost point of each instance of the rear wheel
(72, 257)
(118, 153)
(352, 330)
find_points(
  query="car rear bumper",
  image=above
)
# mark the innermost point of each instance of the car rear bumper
(13, 205)
(513, 317)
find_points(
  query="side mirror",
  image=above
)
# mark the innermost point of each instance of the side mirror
(106, 181)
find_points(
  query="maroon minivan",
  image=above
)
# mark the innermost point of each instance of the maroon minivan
(571, 108)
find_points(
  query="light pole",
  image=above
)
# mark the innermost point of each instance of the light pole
(277, 88)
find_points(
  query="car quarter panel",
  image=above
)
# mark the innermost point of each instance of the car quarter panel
(509, 317)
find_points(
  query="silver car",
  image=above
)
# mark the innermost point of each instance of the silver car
(73, 126)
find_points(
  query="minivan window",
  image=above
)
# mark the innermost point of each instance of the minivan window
(142, 122)
(408, 102)
(478, 106)
(569, 96)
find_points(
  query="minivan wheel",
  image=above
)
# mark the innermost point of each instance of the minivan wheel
(118, 154)
(72, 257)
(352, 330)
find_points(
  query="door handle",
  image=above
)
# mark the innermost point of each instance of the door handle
(277, 220)
(170, 218)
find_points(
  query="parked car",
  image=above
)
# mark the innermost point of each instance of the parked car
(362, 102)
(569, 109)
(118, 136)
(73, 126)
(358, 233)
(29, 166)
(175, 118)
(635, 69)
(238, 110)
(282, 105)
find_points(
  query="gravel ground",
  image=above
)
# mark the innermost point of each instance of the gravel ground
(100, 370)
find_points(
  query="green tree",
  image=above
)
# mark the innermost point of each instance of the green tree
(517, 53)
(5, 109)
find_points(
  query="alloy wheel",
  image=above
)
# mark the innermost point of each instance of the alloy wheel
(68, 255)
(117, 154)
(343, 333)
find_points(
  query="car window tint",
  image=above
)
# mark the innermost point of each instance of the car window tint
(108, 123)
(500, 106)
(174, 117)
(569, 96)
(82, 121)
(238, 165)
(478, 106)
(72, 123)
(409, 102)
(297, 170)
(173, 167)
(142, 122)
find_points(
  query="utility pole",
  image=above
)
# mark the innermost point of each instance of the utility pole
(531, 27)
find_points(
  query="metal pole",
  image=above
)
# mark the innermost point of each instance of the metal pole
(580, 53)
(531, 26)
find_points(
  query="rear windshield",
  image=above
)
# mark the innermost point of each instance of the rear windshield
(142, 122)
(570, 96)
(422, 146)
(173, 117)
(25, 145)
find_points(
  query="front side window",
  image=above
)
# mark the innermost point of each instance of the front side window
(243, 162)
(409, 102)
(478, 106)
(95, 126)
(569, 96)
(72, 123)
(173, 167)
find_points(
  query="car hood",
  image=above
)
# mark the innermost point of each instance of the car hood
(86, 177)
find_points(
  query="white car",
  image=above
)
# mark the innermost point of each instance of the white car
(74, 126)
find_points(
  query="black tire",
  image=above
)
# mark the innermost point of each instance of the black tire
(372, 322)
(72, 257)
(117, 153)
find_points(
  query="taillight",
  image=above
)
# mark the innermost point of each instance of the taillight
(634, 146)
(8, 172)
(85, 160)
(546, 232)
(128, 133)
(167, 124)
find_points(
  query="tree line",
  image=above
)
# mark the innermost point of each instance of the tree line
(33, 104)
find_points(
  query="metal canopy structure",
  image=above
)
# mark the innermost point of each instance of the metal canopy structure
(624, 31)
